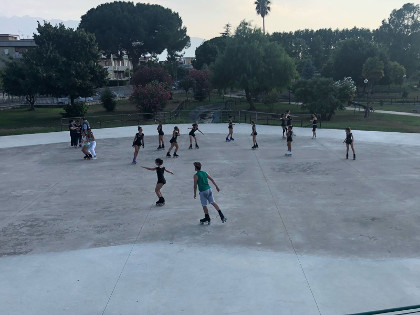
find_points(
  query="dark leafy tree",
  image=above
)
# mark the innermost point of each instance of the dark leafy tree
(187, 84)
(68, 61)
(108, 100)
(324, 96)
(308, 70)
(263, 8)
(202, 84)
(22, 78)
(396, 73)
(207, 52)
(151, 97)
(400, 35)
(253, 63)
(137, 30)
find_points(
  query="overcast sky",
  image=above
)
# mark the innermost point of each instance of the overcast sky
(206, 18)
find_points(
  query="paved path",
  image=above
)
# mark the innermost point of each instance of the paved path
(309, 234)
(387, 112)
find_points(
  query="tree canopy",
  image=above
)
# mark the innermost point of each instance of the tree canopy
(135, 29)
(207, 52)
(253, 63)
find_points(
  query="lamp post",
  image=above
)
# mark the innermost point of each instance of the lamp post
(366, 81)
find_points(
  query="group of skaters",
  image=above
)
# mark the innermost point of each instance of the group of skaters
(81, 136)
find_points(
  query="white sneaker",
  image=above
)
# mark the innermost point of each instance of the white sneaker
(94, 158)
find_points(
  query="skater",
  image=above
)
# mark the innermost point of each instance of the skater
(137, 142)
(161, 133)
(230, 134)
(289, 141)
(192, 135)
(73, 133)
(206, 195)
(79, 133)
(349, 141)
(288, 118)
(173, 142)
(283, 124)
(86, 125)
(92, 141)
(86, 146)
(314, 125)
(254, 135)
(160, 171)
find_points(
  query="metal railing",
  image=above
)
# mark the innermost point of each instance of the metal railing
(413, 310)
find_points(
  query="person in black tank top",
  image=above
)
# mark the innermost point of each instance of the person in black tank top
(229, 137)
(160, 133)
(192, 135)
(254, 135)
(349, 142)
(283, 124)
(289, 140)
(160, 171)
(173, 142)
(137, 143)
(314, 125)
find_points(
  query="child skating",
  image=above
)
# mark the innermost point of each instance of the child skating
(160, 171)
(92, 141)
(206, 195)
(137, 143)
(349, 142)
(86, 146)
(229, 137)
(289, 140)
(160, 133)
(283, 124)
(173, 142)
(192, 135)
(314, 125)
(254, 135)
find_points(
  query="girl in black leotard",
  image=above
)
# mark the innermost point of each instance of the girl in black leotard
(160, 170)
(349, 142)
(161, 133)
(314, 125)
(289, 140)
(254, 135)
(137, 142)
(173, 142)
(283, 124)
(230, 134)
(192, 135)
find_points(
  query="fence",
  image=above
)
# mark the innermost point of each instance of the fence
(184, 116)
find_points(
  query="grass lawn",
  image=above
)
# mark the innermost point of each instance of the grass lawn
(21, 121)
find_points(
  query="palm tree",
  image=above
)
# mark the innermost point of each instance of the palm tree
(263, 7)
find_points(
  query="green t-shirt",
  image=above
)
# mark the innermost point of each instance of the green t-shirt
(202, 182)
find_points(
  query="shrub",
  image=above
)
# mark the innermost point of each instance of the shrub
(151, 97)
(146, 75)
(108, 100)
(76, 110)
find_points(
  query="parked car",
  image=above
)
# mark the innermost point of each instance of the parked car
(63, 101)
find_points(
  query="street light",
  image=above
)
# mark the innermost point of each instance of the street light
(366, 81)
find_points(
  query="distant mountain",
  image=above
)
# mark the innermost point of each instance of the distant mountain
(25, 27)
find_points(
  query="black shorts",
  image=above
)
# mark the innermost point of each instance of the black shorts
(349, 141)
(314, 127)
(137, 144)
(161, 133)
(172, 140)
(255, 133)
(162, 182)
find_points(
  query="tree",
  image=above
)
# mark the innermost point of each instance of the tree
(396, 73)
(324, 96)
(148, 74)
(373, 69)
(262, 7)
(137, 30)
(151, 97)
(202, 84)
(227, 30)
(207, 52)
(400, 35)
(108, 100)
(67, 60)
(349, 58)
(308, 70)
(187, 84)
(253, 63)
(22, 78)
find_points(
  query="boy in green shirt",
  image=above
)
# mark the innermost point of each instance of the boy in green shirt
(206, 195)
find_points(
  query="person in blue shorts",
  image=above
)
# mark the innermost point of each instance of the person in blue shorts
(206, 196)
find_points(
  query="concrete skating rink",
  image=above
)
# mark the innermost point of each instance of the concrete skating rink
(309, 234)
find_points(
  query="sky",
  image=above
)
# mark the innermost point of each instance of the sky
(206, 18)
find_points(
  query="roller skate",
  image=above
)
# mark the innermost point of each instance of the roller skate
(168, 154)
(205, 220)
(354, 156)
(196, 146)
(231, 139)
(175, 155)
(227, 139)
(190, 147)
(160, 202)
